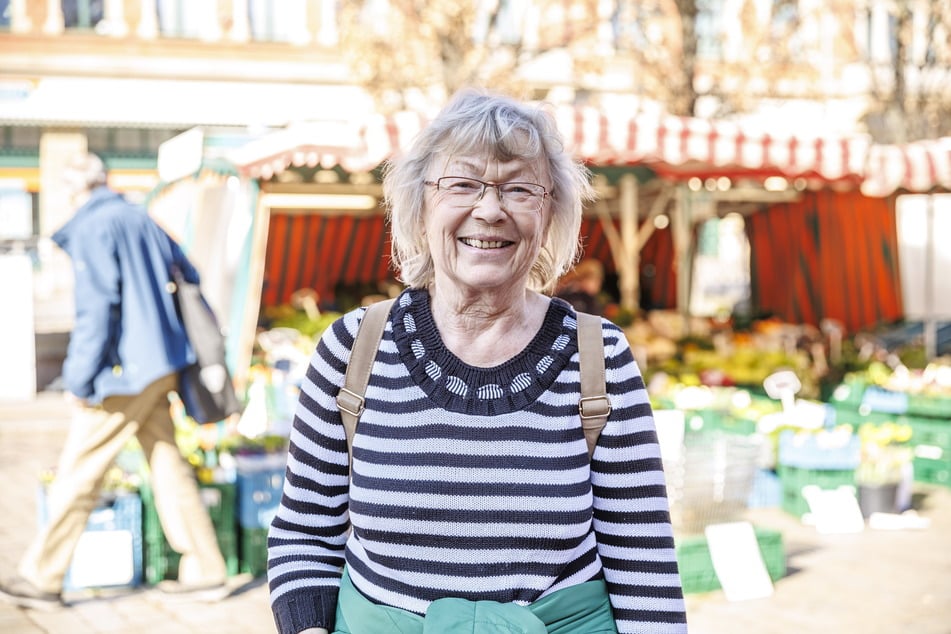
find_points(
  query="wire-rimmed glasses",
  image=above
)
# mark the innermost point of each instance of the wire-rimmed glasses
(516, 197)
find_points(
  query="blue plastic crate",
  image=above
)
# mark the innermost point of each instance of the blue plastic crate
(109, 553)
(767, 491)
(877, 399)
(260, 484)
(819, 450)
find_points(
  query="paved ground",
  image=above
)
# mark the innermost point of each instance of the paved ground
(871, 582)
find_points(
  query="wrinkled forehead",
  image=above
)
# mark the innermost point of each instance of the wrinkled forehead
(515, 159)
(481, 165)
(518, 142)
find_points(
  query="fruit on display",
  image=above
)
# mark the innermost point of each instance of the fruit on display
(704, 355)
(934, 379)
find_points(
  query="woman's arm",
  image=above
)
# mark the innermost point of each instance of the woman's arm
(631, 512)
(307, 537)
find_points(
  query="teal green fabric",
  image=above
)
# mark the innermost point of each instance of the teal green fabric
(581, 609)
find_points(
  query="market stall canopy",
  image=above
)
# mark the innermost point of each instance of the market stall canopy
(675, 148)
(921, 166)
(684, 147)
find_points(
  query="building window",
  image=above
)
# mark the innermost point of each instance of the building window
(709, 29)
(282, 21)
(82, 14)
(127, 142)
(21, 138)
(4, 14)
(192, 20)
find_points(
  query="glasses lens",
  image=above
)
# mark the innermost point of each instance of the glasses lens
(522, 196)
(461, 190)
(515, 197)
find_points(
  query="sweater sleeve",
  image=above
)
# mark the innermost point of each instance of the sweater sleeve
(631, 512)
(307, 538)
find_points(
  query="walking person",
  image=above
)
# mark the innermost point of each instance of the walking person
(124, 353)
(470, 503)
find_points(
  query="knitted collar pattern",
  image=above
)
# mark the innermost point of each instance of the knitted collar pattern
(459, 387)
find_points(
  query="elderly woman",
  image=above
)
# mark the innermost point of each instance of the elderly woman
(470, 504)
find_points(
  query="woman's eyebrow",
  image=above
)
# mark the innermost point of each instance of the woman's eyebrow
(517, 173)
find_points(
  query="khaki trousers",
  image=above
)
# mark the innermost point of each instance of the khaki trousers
(96, 436)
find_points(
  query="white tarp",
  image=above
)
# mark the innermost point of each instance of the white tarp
(924, 224)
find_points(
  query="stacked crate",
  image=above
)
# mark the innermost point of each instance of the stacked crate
(826, 459)
(260, 483)
(161, 561)
(928, 415)
(697, 573)
(109, 553)
(930, 421)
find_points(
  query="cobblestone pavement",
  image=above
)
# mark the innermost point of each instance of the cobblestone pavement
(876, 581)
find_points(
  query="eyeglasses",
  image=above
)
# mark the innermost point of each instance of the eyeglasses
(514, 197)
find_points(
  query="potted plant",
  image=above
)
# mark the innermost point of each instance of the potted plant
(884, 462)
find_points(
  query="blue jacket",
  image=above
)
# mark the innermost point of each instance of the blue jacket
(127, 332)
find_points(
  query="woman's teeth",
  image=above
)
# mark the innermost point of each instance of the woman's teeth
(484, 244)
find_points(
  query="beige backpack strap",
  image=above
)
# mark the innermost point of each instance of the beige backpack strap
(365, 346)
(594, 406)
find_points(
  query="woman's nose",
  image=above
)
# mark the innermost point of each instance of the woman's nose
(489, 204)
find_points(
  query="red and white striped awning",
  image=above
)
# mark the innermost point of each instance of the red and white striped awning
(921, 166)
(674, 147)
(685, 146)
(310, 144)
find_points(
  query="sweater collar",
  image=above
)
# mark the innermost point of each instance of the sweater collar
(460, 387)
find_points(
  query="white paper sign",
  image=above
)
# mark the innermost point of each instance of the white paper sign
(670, 434)
(103, 558)
(738, 562)
(833, 510)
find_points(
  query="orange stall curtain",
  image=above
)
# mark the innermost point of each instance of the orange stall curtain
(326, 252)
(323, 253)
(829, 255)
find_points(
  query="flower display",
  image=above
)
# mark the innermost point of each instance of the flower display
(885, 453)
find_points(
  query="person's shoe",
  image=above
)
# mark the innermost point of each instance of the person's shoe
(24, 594)
(208, 593)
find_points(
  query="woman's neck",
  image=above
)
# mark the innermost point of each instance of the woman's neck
(485, 331)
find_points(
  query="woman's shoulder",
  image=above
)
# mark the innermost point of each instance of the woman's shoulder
(345, 327)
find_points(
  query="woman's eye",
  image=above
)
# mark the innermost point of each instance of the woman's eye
(464, 185)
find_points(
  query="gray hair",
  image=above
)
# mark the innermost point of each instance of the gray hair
(85, 172)
(505, 130)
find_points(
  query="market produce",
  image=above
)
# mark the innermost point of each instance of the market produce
(934, 379)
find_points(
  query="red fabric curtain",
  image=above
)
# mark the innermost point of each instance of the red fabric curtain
(830, 255)
(323, 253)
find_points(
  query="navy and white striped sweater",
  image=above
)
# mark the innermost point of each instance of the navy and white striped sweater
(472, 482)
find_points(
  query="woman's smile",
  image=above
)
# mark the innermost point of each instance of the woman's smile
(478, 243)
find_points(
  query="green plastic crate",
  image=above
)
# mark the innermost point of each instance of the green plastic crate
(933, 406)
(849, 393)
(858, 417)
(930, 432)
(696, 566)
(161, 562)
(254, 551)
(793, 480)
(933, 471)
